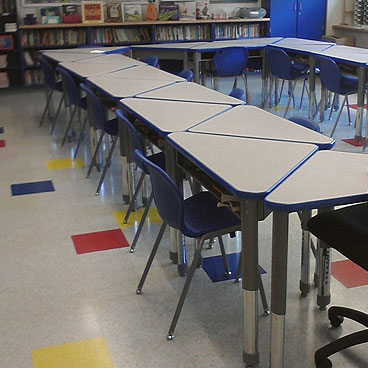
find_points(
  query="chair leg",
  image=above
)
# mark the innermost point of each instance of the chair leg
(321, 355)
(56, 115)
(107, 164)
(48, 100)
(80, 136)
(301, 97)
(93, 159)
(338, 116)
(290, 97)
(246, 89)
(69, 126)
(135, 195)
(197, 256)
(266, 309)
(332, 106)
(348, 108)
(224, 258)
(282, 87)
(141, 223)
(336, 316)
(151, 257)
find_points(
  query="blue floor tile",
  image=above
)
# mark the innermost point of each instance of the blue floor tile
(1, 130)
(31, 188)
(214, 267)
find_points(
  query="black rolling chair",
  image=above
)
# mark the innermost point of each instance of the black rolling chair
(345, 230)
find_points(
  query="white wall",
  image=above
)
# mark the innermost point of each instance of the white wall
(335, 13)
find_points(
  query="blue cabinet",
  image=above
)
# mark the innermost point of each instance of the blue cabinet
(298, 18)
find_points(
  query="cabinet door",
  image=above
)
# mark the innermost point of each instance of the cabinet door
(311, 20)
(283, 14)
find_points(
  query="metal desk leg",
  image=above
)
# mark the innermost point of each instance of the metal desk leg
(304, 284)
(196, 67)
(124, 164)
(324, 271)
(177, 241)
(360, 102)
(322, 105)
(280, 230)
(265, 72)
(185, 60)
(249, 261)
(312, 85)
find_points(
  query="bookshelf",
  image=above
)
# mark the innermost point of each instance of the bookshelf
(10, 52)
(44, 36)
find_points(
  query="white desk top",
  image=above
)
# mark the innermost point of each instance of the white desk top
(255, 42)
(327, 179)
(171, 45)
(123, 88)
(308, 48)
(248, 168)
(347, 53)
(61, 56)
(191, 92)
(115, 59)
(301, 41)
(253, 122)
(85, 70)
(146, 72)
(92, 50)
(171, 116)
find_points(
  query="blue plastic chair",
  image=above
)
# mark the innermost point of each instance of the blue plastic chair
(230, 62)
(73, 100)
(282, 67)
(100, 122)
(135, 142)
(334, 81)
(151, 60)
(52, 85)
(237, 93)
(196, 217)
(305, 122)
(187, 74)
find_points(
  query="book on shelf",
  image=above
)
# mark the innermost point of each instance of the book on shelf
(50, 15)
(201, 10)
(168, 11)
(71, 13)
(132, 12)
(92, 12)
(4, 80)
(186, 10)
(113, 13)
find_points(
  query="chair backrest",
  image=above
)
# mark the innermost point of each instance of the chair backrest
(95, 108)
(135, 141)
(238, 93)
(151, 60)
(278, 62)
(71, 87)
(168, 199)
(330, 74)
(230, 61)
(307, 123)
(186, 74)
(48, 71)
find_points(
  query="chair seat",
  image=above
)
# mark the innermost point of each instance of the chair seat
(111, 127)
(349, 84)
(59, 86)
(298, 70)
(83, 103)
(346, 230)
(203, 216)
(158, 159)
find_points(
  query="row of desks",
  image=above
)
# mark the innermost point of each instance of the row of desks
(259, 157)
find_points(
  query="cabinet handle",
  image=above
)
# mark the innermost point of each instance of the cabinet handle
(300, 7)
(295, 7)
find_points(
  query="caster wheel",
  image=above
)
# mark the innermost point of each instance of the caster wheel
(336, 320)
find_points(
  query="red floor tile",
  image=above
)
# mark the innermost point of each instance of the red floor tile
(2, 143)
(349, 274)
(354, 143)
(102, 240)
(355, 106)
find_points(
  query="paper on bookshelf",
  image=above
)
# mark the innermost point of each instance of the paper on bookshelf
(92, 12)
(113, 12)
(202, 11)
(186, 10)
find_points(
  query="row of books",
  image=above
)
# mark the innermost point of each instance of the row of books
(120, 35)
(34, 76)
(182, 33)
(224, 31)
(57, 37)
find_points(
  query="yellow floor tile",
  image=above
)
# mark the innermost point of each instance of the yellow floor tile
(92, 353)
(64, 163)
(153, 217)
